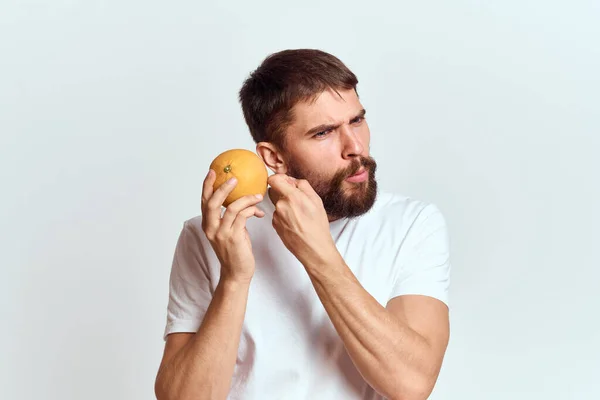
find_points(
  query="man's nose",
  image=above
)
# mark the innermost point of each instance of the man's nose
(352, 145)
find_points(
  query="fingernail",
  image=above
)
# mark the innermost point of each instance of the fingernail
(232, 181)
(258, 196)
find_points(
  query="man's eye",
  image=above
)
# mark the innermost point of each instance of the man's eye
(322, 134)
(357, 120)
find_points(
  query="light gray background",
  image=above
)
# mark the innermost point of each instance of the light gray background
(111, 111)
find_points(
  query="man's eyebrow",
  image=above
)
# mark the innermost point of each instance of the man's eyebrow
(360, 114)
(321, 128)
(326, 127)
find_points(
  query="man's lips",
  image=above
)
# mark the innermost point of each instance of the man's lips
(360, 176)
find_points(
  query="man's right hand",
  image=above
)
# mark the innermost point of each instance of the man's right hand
(228, 235)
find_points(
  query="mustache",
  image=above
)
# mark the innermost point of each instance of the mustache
(323, 184)
(367, 162)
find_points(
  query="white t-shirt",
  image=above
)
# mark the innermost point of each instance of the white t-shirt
(289, 348)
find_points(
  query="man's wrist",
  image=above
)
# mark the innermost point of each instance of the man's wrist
(320, 262)
(232, 283)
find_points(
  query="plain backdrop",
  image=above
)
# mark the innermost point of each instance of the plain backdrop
(111, 111)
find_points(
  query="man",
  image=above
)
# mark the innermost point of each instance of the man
(333, 291)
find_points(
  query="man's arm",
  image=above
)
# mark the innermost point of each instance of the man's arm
(398, 349)
(200, 365)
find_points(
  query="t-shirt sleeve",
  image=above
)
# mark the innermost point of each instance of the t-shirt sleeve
(189, 285)
(425, 257)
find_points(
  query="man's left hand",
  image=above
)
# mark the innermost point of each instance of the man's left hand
(301, 221)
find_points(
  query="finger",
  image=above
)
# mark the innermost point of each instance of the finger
(220, 194)
(283, 184)
(236, 207)
(207, 191)
(213, 206)
(207, 187)
(241, 218)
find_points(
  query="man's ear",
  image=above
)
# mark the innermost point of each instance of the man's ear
(272, 157)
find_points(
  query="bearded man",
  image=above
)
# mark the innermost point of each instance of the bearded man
(326, 288)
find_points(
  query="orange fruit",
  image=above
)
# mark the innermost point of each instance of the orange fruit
(247, 167)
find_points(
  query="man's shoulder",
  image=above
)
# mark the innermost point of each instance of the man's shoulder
(400, 215)
(193, 223)
(391, 205)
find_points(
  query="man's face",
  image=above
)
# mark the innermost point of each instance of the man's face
(328, 145)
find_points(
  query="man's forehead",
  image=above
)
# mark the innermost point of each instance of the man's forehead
(327, 108)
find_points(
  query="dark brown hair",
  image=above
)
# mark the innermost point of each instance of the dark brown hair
(281, 81)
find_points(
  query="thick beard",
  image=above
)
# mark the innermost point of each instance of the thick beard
(339, 202)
